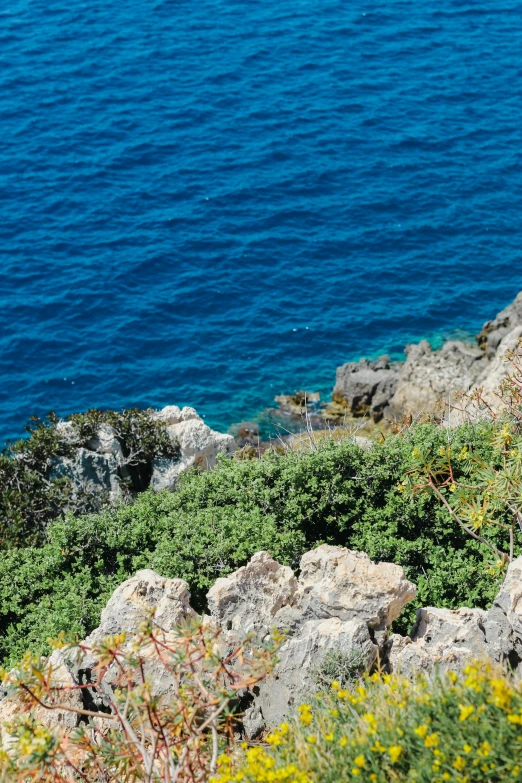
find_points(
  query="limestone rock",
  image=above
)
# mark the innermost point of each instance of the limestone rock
(91, 474)
(493, 332)
(132, 601)
(365, 387)
(199, 445)
(341, 601)
(428, 376)
(440, 638)
(249, 599)
(503, 623)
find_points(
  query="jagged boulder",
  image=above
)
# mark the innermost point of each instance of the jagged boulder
(428, 376)
(341, 601)
(134, 599)
(365, 387)
(440, 638)
(200, 446)
(494, 332)
(503, 624)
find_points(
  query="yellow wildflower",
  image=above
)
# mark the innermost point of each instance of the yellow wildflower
(421, 730)
(432, 740)
(459, 763)
(360, 761)
(395, 753)
(465, 711)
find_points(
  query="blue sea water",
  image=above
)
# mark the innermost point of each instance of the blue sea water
(213, 202)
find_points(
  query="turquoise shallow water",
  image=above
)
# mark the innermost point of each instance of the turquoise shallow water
(211, 203)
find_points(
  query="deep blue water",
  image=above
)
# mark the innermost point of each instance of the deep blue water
(213, 202)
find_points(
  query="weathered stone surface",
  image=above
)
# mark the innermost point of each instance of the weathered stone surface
(503, 624)
(132, 601)
(365, 387)
(440, 638)
(90, 473)
(249, 599)
(428, 376)
(200, 446)
(341, 601)
(493, 332)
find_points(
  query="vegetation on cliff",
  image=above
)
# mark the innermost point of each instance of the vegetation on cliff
(285, 503)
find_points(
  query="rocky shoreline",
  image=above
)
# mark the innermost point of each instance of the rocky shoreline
(382, 390)
(366, 393)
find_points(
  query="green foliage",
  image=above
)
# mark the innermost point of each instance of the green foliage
(135, 734)
(484, 495)
(458, 727)
(338, 666)
(31, 497)
(285, 503)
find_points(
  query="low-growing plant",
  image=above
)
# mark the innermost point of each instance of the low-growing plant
(481, 493)
(125, 730)
(338, 666)
(216, 520)
(463, 727)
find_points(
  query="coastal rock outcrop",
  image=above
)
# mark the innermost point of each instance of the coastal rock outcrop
(428, 376)
(366, 387)
(200, 446)
(102, 466)
(340, 602)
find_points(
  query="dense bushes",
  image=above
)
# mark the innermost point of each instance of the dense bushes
(32, 495)
(287, 503)
(459, 727)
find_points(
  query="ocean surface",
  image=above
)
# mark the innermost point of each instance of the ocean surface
(213, 202)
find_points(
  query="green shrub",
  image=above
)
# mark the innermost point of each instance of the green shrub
(285, 503)
(31, 497)
(458, 727)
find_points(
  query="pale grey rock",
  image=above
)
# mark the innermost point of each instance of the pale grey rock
(493, 332)
(91, 474)
(428, 376)
(171, 414)
(105, 441)
(133, 600)
(365, 387)
(440, 639)
(503, 624)
(249, 599)
(497, 369)
(67, 432)
(200, 446)
(341, 601)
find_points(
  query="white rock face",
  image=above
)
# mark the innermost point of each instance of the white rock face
(199, 445)
(503, 623)
(264, 587)
(132, 601)
(440, 638)
(341, 601)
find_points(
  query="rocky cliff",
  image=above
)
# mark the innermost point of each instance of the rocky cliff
(380, 388)
(341, 603)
